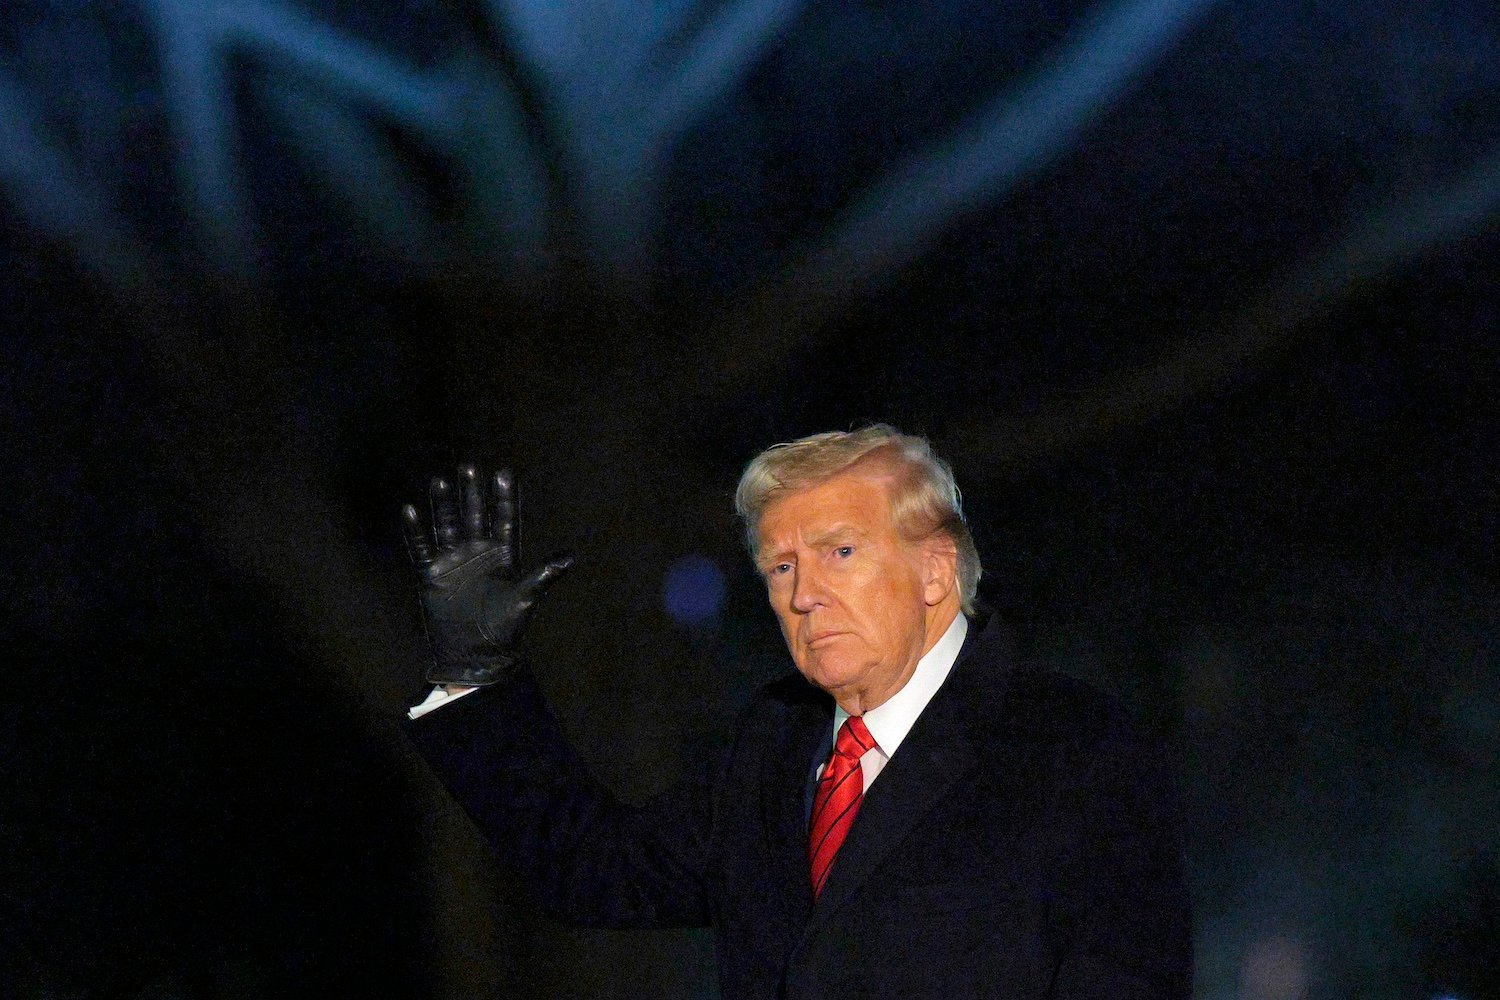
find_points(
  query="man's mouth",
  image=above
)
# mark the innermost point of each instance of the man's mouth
(823, 635)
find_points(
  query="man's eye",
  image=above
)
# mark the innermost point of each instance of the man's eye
(781, 569)
(844, 551)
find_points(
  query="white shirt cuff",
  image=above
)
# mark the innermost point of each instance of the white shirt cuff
(439, 697)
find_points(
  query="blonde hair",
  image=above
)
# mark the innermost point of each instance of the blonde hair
(924, 498)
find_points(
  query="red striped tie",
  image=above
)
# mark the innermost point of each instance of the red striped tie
(840, 789)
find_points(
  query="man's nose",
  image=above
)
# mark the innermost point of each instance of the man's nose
(807, 590)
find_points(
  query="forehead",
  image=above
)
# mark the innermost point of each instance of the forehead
(856, 500)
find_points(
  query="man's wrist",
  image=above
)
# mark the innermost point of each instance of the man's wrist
(470, 664)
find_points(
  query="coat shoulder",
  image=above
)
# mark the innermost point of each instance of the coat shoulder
(780, 714)
(790, 692)
(1048, 706)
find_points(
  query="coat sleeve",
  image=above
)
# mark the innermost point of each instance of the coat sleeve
(1123, 919)
(588, 858)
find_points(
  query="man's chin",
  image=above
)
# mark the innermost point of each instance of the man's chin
(831, 674)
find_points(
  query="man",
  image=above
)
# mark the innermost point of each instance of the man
(912, 813)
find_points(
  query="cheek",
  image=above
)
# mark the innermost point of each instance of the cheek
(784, 619)
(900, 602)
(887, 587)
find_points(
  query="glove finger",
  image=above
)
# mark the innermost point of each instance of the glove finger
(444, 513)
(507, 520)
(417, 544)
(471, 504)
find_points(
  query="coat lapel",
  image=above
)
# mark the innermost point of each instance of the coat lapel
(784, 798)
(935, 755)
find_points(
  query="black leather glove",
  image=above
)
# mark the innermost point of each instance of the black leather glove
(474, 602)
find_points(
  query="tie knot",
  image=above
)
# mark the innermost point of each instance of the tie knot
(854, 739)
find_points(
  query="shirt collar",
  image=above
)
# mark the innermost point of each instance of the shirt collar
(891, 721)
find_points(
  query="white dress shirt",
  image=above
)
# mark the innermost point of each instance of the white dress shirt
(892, 720)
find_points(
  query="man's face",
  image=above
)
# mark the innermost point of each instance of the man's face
(854, 598)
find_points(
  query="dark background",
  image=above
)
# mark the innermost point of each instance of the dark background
(1197, 297)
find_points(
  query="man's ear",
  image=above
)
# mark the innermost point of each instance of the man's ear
(939, 569)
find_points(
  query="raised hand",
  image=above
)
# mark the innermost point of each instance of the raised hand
(474, 601)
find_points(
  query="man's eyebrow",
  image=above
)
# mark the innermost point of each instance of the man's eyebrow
(834, 533)
(837, 533)
(765, 557)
